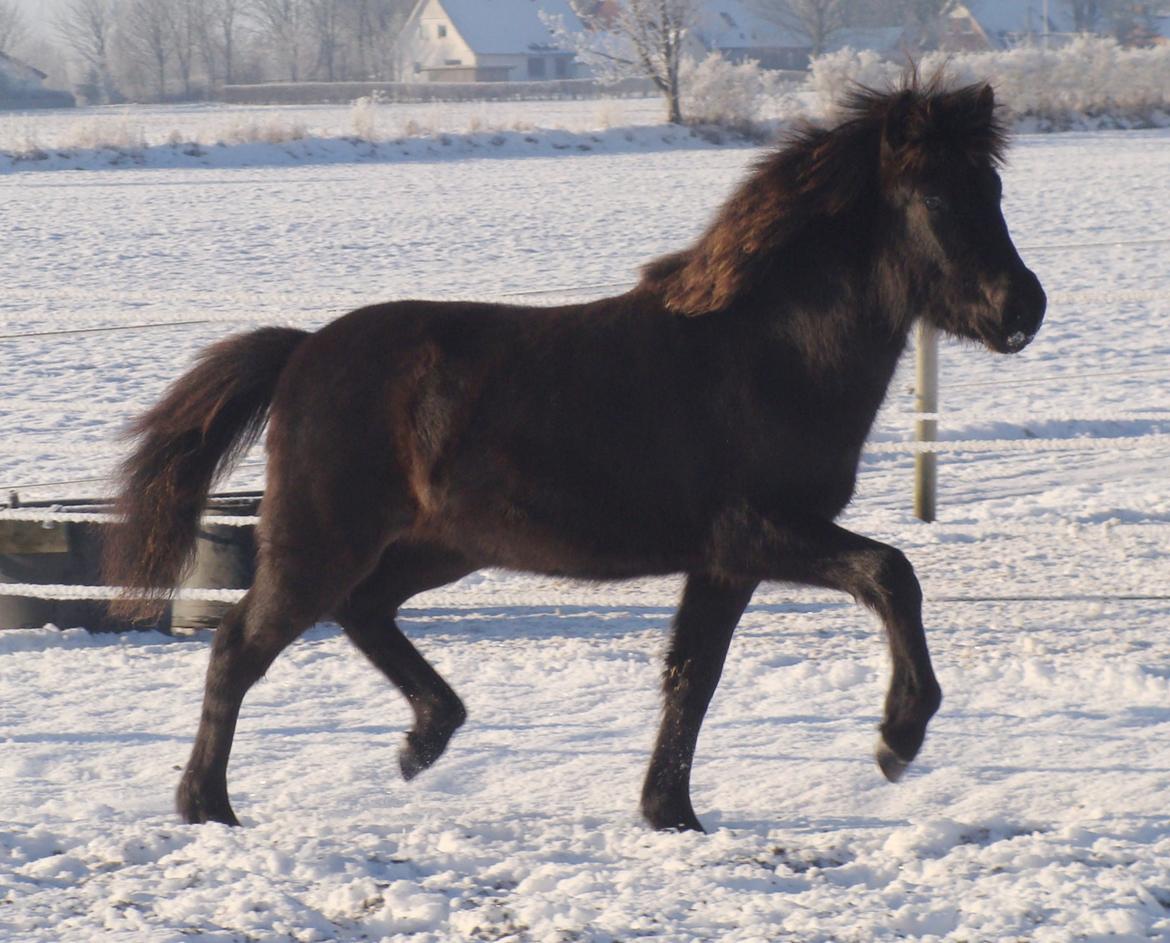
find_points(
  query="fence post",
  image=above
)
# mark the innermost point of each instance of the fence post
(926, 430)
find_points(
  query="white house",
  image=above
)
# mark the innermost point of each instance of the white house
(487, 41)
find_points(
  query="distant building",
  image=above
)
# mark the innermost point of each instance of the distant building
(735, 32)
(22, 86)
(890, 41)
(487, 41)
(979, 25)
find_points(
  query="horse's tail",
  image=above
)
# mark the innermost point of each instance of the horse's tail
(207, 419)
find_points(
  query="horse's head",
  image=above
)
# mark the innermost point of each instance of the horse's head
(955, 260)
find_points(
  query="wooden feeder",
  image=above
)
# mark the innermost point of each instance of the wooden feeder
(69, 553)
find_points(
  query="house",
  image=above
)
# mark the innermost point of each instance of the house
(978, 25)
(487, 41)
(22, 86)
(890, 41)
(738, 34)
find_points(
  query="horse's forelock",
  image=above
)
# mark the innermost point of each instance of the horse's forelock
(932, 122)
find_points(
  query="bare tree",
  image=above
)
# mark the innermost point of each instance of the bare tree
(13, 27)
(1086, 14)
(218, 28)
(147, 39)
(376, 26)
(328, 20)
(185, 22)
(87, 27)
(815, 20)
(920, 20)
(633, 37)
(1133, 23)
(921, 12)
(284, 24)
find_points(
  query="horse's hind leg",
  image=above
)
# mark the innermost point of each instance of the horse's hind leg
(297, 582)
(247, 641)
(368, 618)
(703, 626)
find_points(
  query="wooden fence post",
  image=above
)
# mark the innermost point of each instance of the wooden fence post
(926, 430)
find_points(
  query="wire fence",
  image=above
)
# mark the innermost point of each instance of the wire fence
(292, 310)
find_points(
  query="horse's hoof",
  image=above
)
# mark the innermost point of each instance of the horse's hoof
(196, 808)
(426, 744)
(891, 765)
(418, 754)
(664, 817)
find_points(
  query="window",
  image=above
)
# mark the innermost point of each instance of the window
(442, 30)
(536, 68)
(562, 65)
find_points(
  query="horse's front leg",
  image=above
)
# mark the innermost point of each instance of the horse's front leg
(703, 626)
(819, 553)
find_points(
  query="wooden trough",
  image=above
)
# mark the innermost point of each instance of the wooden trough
(47, 552)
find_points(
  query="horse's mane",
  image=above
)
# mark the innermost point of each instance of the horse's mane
(821, 173)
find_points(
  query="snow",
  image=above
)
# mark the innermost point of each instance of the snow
(1036, 812)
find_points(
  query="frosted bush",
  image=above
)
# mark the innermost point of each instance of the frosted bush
(363, 117)
(831, 76)
(272, 131)
(605, 115)
(1091, 76)
(412, 128)
(716, 91)
(118, 134)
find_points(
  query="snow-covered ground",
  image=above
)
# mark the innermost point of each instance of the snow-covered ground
(1037, 811)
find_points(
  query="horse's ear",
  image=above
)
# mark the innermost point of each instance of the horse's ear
(897, 124)
(986, 102)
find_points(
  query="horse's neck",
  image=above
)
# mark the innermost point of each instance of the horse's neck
(844, 328)
(838, 361)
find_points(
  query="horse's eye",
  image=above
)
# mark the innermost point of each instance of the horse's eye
(934, 203)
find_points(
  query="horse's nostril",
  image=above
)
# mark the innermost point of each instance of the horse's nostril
(1017, 341)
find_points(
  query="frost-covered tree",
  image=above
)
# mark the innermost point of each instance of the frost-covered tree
(13, 27)
(285, 26)
(327, 22)
(218, 36)
(87, 27)
(633, 38)
(146, 40)
(377, 25)
(185, 22)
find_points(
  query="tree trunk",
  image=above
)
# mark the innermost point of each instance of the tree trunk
(672, 101)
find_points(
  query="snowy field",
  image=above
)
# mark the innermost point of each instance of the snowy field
(1037, 810)
(213, 121)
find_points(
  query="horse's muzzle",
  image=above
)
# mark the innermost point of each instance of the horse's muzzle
(1016, 342)
(1023, 314)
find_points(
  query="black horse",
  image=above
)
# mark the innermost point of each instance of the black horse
(708, 422)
